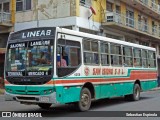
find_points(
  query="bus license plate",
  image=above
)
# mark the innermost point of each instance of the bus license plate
(44, 99)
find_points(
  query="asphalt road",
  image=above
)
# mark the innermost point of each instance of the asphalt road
(150, 101)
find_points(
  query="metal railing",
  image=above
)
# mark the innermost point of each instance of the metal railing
(131, 23)
(152, 5)
(142, 26)
(5, 17)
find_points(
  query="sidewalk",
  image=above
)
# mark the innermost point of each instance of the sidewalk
(1, 91)
(157, 88)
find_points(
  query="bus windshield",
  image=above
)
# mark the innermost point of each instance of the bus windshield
(16, 57)
(29, 58)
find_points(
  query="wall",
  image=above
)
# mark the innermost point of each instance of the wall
(48, 9)
(3, 40)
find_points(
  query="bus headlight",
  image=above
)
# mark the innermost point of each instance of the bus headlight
(50, 91)
(47, 91)
(9, 90)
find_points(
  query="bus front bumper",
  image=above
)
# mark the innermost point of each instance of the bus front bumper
(32, 99)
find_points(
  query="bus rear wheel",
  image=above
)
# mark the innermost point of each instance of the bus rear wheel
(136, 93)
(85, 100)
(44, 105)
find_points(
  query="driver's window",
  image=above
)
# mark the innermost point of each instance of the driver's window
(62, 57)
(68, 57)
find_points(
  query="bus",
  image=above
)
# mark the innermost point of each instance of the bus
(52, 65)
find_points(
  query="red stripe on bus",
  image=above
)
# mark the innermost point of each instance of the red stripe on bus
(141, 75)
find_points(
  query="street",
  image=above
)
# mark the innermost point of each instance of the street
(149, 102)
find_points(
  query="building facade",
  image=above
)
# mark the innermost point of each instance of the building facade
(6, 26)
(136, 21)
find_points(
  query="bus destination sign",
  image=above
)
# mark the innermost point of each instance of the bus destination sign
(33, 33)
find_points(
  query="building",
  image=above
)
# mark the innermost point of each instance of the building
(6, 26)
(136, 21)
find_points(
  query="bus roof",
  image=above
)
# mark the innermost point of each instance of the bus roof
(87, 35)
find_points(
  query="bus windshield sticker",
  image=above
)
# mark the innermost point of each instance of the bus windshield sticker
(44, 69)
(39, 43)
(17, 45)
(37, 73)
(15, 73)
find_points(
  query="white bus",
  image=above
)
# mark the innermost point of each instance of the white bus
(51, 65)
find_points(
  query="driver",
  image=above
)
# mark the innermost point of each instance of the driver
(43, 58)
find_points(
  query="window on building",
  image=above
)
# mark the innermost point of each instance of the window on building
(116, 54)
(154, 28)
(22, 5)
(143, 43)
(6, 7)
(109, 7)
(159, 50)
(142, 23)
(159, 30)
(127, 56)
(19, 5)
(28, 4)
(91, 52)
(130, 18)
(0, 7)
(104, 53)
(153, 4)
(118, 10)
(85, 2)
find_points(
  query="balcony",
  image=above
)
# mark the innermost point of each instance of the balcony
(5, 18)
(129, 25)
(5, 22)
(147, 6)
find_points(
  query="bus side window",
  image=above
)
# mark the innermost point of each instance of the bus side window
(116, 54)
(144, 58)
(137, 62)
(127, 56)
(104, 53)
(91, 55)
(151, 59)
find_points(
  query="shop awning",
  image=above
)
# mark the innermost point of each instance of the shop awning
(2, 50)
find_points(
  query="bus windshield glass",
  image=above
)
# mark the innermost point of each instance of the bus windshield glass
(16, 57)
(29, 58)
(39, 58)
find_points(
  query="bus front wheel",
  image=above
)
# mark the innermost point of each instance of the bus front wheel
(85, 100)
(44, 105)
(136, 93)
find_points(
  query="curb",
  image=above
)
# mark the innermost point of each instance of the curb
(157, 88)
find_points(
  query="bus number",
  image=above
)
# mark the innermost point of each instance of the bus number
(77, 74)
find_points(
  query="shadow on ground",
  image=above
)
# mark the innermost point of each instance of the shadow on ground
(70, 111)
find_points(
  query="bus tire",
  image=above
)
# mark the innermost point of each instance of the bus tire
(136, 94)
(85, 100)
(44, 105)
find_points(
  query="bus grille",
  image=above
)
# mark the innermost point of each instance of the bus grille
(26, 98)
